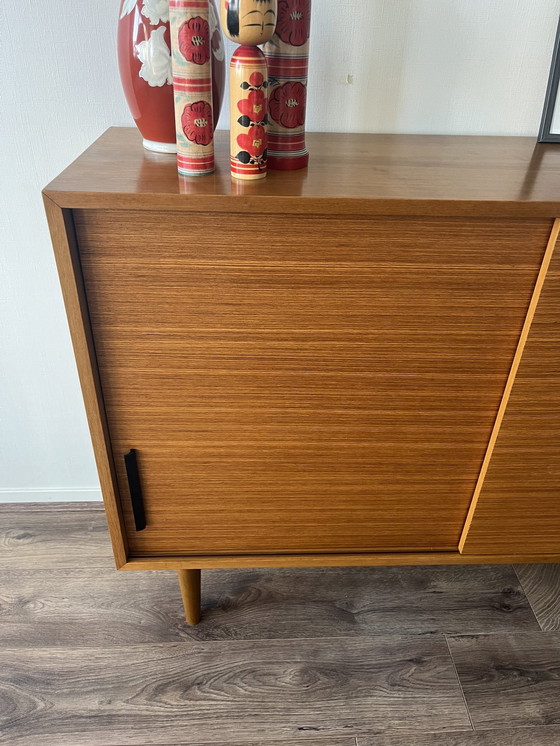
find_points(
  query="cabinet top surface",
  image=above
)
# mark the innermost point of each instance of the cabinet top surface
(348, 173)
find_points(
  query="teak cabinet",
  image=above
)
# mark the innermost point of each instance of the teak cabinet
(354, 364)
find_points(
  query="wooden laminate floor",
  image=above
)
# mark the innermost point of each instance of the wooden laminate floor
(421, 656)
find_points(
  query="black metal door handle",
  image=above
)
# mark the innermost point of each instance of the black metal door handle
(135, 489)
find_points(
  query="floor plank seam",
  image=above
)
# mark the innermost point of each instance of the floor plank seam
(459, 682)
(532, 727)
(195, 643)
(528, 597)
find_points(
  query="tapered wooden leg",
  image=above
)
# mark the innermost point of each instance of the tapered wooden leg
(189, 582)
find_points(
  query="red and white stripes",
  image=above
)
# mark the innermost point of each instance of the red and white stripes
(287, 56)
(192, 85)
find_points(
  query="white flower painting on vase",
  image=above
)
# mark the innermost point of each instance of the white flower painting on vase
(156, 11)
(153, 52)
(155, 56)
(128, 7)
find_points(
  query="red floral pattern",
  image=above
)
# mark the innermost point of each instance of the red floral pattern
(294, 18)
(254, 106)
(194, 40)
(256, 79)
(196, 122)
(254, 142)
(287, 105)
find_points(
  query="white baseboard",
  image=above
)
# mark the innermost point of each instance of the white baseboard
(80, 494)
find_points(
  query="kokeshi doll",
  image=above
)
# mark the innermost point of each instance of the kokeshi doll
(248, 22)
(287, 55)
(192, 85)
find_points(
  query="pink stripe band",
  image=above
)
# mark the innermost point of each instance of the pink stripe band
(193, 89)
(179, 80)
(195, 4)
(195, 161)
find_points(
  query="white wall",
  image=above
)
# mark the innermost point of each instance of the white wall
(424, 66)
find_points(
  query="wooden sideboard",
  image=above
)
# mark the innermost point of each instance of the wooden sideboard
(354, 364)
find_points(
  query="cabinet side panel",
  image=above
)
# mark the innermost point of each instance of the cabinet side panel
(518, 506)
(63, 238)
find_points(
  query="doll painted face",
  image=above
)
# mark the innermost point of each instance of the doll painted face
(249, 22)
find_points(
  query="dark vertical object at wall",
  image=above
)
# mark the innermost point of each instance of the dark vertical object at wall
(545, 135)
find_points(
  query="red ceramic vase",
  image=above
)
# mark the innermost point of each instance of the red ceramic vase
(144, 53)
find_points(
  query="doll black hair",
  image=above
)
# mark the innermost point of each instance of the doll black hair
(233, 17)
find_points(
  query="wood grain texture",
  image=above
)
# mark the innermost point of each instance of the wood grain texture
(330, 741)
(371, 174)
(89, 607)
(353, 602)
(541, 583)
(207, 692)
(84, 608)
(54, 535)
(519, 504)
(549, 736)
(310, 396)
(509, 679)
(340, 559)
(543, 272)
(63, 238)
